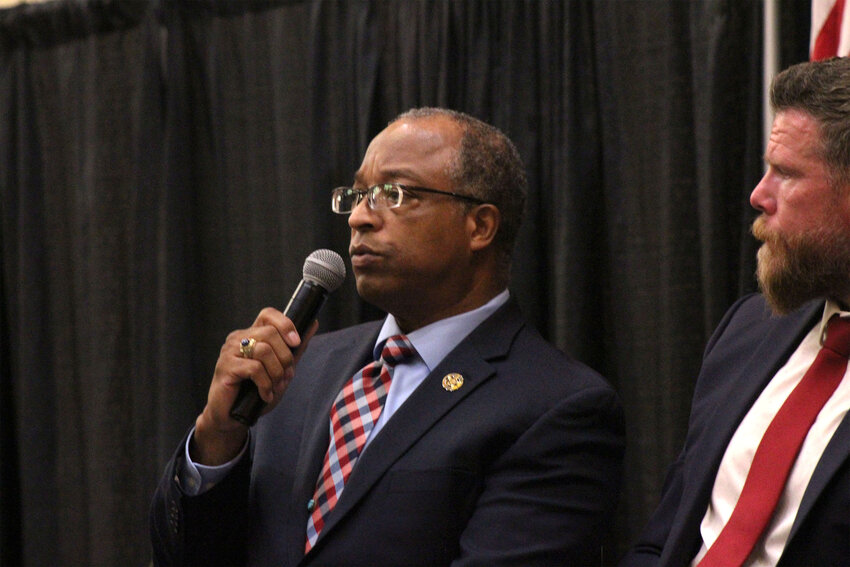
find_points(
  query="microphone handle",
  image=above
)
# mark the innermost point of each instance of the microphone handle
(302, 310)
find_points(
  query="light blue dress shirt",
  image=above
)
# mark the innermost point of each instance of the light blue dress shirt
(432, 343)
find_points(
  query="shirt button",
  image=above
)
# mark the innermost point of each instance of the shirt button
(311, 505)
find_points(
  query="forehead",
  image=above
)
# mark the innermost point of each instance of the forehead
(411, 149)
(795, 134)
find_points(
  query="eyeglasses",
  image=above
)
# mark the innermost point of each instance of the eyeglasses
(383, 196)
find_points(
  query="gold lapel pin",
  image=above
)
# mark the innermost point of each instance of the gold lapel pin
(452, 382)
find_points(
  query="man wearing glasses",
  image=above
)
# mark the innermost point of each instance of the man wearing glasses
(471, 442)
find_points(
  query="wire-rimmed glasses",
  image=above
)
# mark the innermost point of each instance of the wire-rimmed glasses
(383, 196)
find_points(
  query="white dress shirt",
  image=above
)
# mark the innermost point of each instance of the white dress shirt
(741, 449)
(432, 343)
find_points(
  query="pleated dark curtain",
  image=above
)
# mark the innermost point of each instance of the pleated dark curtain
(165, 169)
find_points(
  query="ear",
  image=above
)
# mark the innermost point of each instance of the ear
(482, 223)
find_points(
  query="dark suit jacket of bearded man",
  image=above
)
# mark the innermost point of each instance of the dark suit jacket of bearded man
(746, 350)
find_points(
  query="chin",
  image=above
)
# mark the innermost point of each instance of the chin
(371, 291)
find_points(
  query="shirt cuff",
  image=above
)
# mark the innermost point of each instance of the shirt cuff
(196, 478)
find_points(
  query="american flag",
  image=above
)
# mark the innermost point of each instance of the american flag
(830, 29)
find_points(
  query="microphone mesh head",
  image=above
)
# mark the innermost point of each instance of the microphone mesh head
(325, 268)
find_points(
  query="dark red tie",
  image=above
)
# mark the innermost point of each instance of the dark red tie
(779, 448)
(353, 415)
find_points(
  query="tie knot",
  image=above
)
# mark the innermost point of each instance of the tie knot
(838, 335)
(396, 349)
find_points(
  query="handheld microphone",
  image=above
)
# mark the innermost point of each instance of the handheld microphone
(323, 273)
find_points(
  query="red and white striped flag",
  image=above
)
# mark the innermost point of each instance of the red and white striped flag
(830, 29)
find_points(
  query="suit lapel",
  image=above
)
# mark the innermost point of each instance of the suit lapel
(427, 405)
(774, 340)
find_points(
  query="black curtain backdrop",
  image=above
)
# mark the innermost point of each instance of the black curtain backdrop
(165, 169)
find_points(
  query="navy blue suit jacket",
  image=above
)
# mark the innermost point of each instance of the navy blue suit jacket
(520, 466)
(749, 346)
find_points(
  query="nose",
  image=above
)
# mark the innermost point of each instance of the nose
(362, 217)
(763, 198)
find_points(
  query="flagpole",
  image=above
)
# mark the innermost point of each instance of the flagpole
(770, 62)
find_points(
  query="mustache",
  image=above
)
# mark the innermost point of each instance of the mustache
(760, 231)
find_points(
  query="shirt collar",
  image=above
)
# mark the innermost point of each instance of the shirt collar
(433, 342)
(830, 309)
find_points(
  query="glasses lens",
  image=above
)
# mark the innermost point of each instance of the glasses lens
(344, 199)
(386, 196)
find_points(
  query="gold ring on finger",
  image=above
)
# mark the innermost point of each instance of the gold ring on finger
(246, 347)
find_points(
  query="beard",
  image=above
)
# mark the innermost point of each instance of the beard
(793, 269)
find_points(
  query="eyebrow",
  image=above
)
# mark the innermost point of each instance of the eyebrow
(391, 174)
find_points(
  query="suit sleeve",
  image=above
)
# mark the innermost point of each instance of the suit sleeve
(547, 499)
(208, 529)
